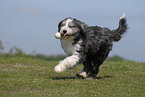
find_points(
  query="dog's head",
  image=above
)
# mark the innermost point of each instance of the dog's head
(69, 27)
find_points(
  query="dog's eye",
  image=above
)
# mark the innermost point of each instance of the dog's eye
(63, 25)
(72, 26)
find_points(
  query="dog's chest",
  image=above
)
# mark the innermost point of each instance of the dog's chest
(68, 47)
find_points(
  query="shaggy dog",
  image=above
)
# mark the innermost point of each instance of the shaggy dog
(85, 44)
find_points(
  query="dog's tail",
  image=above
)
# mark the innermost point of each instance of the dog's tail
(121, 29)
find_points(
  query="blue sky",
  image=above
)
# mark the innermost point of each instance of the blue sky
(31, 24)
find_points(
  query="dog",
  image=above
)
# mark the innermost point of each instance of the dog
(89, 45)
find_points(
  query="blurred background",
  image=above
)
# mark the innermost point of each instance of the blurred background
(30, 25)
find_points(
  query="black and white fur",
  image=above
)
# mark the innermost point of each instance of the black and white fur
(85, 44)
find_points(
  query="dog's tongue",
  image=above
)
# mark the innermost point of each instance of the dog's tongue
(65, 34)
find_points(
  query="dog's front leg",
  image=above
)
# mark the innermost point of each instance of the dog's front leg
(68, 62)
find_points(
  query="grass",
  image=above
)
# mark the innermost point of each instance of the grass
(21, 77)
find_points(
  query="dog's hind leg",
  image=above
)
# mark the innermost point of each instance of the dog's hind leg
(87, 66)
(68, 62)
(97, 60)
(93, 72)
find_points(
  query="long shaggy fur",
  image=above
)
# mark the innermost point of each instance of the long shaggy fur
(85, 44)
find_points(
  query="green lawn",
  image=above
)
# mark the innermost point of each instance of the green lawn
(21, 77)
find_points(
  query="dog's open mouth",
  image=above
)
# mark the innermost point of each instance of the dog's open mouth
(64, 34)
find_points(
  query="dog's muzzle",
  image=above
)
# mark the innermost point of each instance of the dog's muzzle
(64, 33)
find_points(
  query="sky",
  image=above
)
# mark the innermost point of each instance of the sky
(31, 24)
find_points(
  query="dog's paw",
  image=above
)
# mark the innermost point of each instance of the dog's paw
(81, 74)
(123, 17)
(57, 35)
(57, 69)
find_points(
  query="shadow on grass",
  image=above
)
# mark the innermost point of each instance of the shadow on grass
(104, 77)
(64, 78)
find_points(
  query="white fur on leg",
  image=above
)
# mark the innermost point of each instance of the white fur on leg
(68, 62)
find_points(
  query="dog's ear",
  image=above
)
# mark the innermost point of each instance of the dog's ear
(80, 24)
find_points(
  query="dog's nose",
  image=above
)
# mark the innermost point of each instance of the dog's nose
(64, 31)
